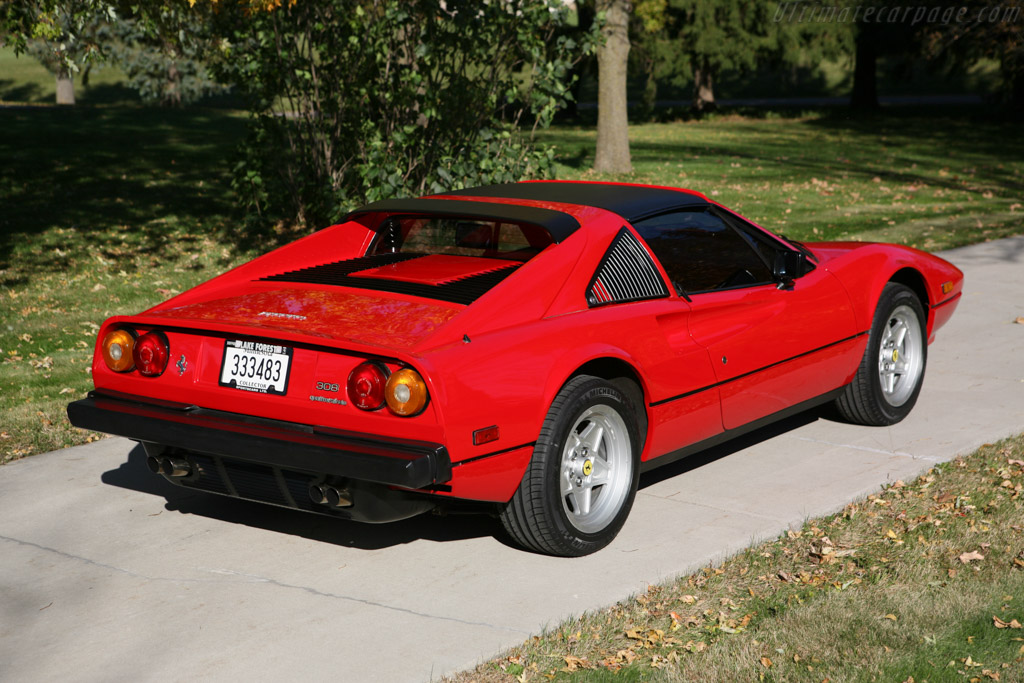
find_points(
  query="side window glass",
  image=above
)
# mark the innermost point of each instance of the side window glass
(701, 253)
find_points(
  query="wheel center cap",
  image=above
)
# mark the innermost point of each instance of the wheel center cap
(895, 355)
(588, 467)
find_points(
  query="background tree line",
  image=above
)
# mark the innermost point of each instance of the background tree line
(356, 100)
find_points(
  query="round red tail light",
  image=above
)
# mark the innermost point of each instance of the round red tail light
(151, 353)
(366, 385)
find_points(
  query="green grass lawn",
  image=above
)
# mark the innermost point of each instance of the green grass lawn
(23, 80)
(930, 182)
(110, 209)
(106, 211)
(922, 582)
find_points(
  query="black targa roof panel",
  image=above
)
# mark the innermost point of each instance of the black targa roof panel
(559, 225)
(629, 201)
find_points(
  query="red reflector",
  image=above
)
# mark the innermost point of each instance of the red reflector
(485, 435)
(150, 353)
(366, 386)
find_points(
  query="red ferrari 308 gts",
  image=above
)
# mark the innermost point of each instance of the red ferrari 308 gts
(532, 346)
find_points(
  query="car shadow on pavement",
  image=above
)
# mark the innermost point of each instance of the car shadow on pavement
(135, 475)
(710, 455)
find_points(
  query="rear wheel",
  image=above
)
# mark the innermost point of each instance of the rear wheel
(582, 479)
(889, 378)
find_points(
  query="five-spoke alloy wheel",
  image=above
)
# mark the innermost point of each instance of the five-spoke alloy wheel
(581, 481)
(889, 378)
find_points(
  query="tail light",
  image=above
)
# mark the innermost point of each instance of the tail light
(366, 385)
(406, 392)
(151, 353)
(117, 349)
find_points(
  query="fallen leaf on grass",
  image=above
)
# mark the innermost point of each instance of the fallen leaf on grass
(685, 621)
(890, 617)
(689, 599)
(786, 576)
(999, 623)
(973, 555)
(648, 637)
(574, 663)
(765, 662)
(1017, 462)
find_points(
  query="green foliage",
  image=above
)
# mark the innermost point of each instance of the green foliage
(353, 104)
(684, 42)
(62, 33)
(163, 52)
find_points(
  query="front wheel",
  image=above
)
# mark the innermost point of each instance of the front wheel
(889, 378)
(581, 482)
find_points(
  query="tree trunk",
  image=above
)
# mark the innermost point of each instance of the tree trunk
(65, 86)
(865, 72)
(612, 115)
(703, 87)
(172, 90)
(649, 101)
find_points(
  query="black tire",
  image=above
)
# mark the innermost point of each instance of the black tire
(540, 517)
(865, 400)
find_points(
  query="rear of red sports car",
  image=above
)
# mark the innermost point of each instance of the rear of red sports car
(320, 376)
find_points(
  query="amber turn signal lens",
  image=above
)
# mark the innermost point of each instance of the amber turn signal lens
(117, 350)
(151, 353)
(406, 392)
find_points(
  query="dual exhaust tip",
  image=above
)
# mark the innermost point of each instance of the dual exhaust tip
(169, 466)
(331, 496)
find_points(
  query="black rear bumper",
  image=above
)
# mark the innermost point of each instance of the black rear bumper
(317, 450)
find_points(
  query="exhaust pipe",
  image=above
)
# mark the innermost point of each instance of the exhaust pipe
(339, 498)
(318, 493)
(175, 467)
(171, 467)
(332, 496)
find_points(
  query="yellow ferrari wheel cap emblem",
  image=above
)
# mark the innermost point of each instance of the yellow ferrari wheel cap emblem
(895, 355)
(588, 467)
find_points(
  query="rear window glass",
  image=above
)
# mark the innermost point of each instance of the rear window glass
(460, 237)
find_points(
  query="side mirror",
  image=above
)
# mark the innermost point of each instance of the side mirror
(789, 265)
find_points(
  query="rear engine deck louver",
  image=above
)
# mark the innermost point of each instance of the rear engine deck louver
(339, 273)
(626, 273)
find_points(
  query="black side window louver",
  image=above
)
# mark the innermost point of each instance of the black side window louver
(626, 274)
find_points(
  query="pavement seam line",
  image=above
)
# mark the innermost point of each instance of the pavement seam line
(670, 499)
(869, 449)
(250, 578)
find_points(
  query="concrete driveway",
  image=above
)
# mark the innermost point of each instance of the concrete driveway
(108, 573)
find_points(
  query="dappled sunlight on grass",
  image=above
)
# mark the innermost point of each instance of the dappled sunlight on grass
(928, 182)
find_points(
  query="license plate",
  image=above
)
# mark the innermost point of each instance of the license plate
(255, 366)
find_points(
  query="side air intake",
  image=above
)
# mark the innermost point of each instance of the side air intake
(626, 274)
